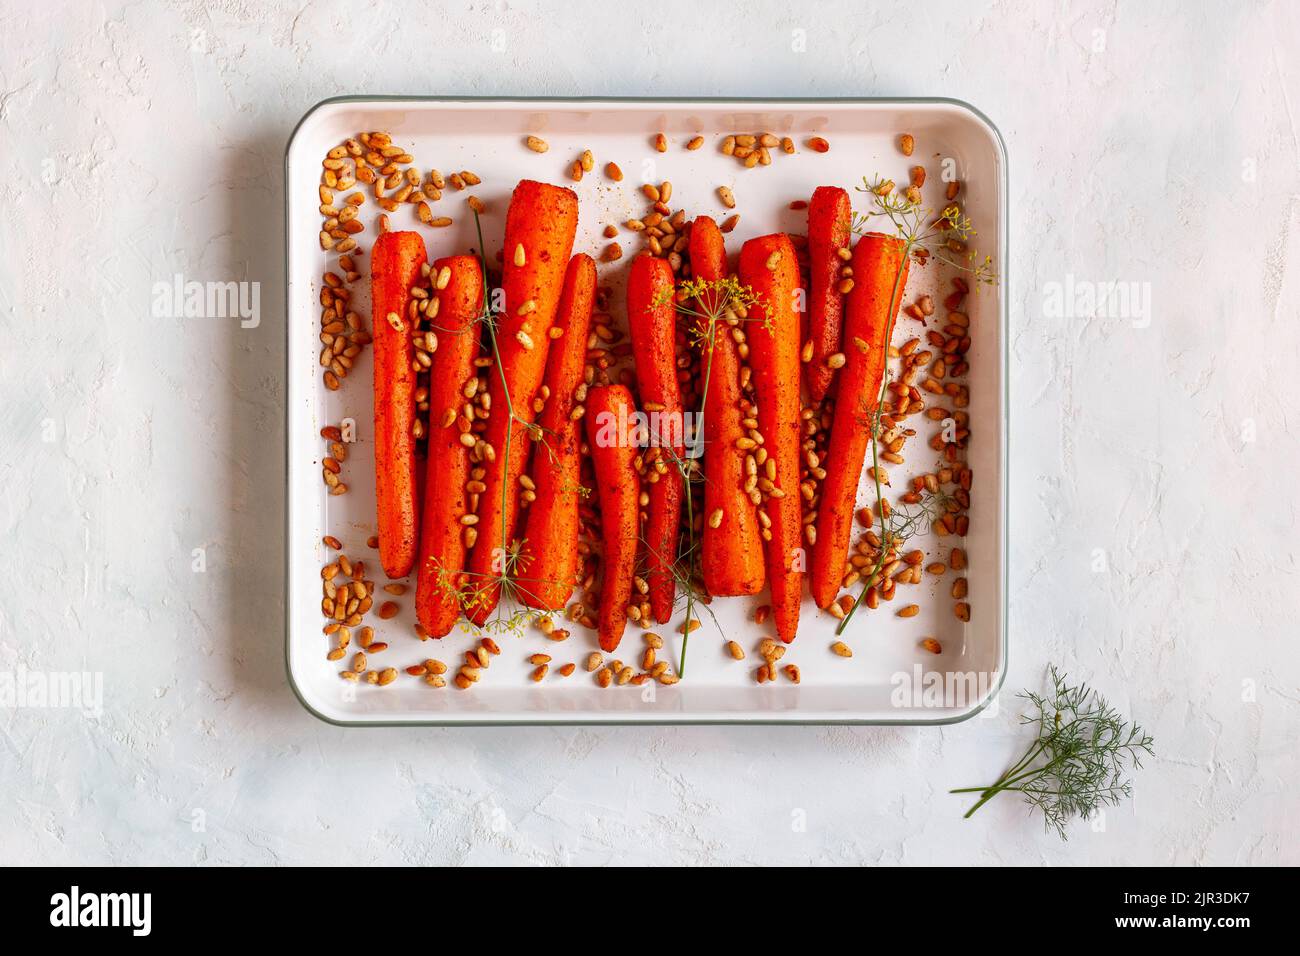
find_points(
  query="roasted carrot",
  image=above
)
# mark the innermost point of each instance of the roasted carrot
(829, 218)
(550, 544)
(609, 416)
(651, 316)
(768, 266)
(394, 268)
(540, 226)
(441, 575)
(868, 322)
(731, 554)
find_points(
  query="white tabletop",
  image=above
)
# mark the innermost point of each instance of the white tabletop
(1152, 548)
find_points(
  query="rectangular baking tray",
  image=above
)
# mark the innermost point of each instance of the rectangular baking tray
(889, 679)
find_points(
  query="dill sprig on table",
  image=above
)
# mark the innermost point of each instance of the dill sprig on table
(1078, 761)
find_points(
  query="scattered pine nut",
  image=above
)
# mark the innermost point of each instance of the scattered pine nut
(842, 649)
(735, 650)
(536, 144)
(907, 143)
(819, 145)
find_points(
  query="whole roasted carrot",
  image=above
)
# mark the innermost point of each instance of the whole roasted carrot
(651, 316)
(440, 576)
(769, 267)
(731, 553)
(829, 218)
(540, 226)
(550, 542)
(394, 268)
(868, 322)
(613, 453)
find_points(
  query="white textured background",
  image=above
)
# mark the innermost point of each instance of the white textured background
(144, 139)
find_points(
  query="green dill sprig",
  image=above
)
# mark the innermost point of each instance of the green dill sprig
(509, 580)
(935, 239)
(1077, 764)
(706, 304)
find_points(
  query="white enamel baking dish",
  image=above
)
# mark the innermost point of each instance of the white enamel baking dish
(890, 679)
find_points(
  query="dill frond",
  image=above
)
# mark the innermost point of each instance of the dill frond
(1078, 761)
